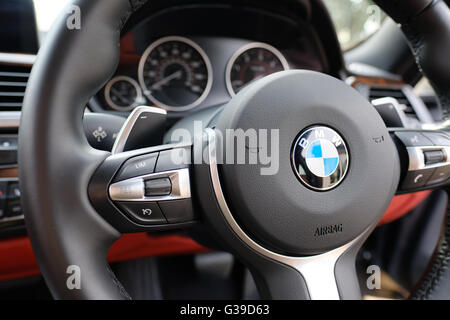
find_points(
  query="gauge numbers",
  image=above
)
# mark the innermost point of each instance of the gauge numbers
(175, 73)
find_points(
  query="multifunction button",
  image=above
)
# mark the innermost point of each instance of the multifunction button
(137, 166)
(155, 196)
(417, 179)
(428, 159)
(413, 139)
(158, 187)
(434, 156)
(145, 212)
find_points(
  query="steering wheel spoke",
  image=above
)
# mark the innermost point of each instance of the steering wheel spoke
(425, 159)
(328, 276)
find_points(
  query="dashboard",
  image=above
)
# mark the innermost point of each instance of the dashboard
(197, 65)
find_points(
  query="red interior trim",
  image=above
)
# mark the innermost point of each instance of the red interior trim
(137, 245)
(402, 204)
(128, 56)
(17, 259)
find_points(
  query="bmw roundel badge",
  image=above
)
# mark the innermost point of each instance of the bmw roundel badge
(320, 158)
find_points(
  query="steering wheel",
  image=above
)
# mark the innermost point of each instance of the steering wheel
(296, 222)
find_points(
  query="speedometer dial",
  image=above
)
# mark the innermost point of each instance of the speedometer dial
(175, 73)
(252, 62)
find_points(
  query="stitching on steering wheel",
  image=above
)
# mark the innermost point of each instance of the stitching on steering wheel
(439, 265)
(123, 292)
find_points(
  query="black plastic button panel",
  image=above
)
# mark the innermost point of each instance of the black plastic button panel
(417, 179)
(154, 189)
(10, 206)
(438, 138)
(173, 159)
(137, 166)
(429, 162)
(144, 212)
(439, 176)
(177, 211)
(413, 139)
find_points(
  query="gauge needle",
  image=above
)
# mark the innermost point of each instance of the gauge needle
(160, 83)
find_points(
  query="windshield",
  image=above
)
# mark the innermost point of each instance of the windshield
(46, 13)
(354, 20)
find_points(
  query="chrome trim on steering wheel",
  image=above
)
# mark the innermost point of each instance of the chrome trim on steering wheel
(416, 157)
(317, 270)
(134, 189)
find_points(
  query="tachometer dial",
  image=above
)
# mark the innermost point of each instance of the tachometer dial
(175, 73)
(252, 62)
(123, 93)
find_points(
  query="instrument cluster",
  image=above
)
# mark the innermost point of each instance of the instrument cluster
(177, 73)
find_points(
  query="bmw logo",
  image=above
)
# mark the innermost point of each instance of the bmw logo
(320, 158)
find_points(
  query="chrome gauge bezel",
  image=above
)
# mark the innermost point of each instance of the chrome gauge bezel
(112, 105)
(196, 47)
(244, 48)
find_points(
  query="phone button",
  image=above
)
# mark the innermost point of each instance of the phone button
(417, 179)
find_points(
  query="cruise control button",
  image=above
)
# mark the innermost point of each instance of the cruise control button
(413, 139)
(137, 166)
(440, 175)
(417, 179)
(438, 138)
(178, 211)
(173, 159)
(158, 187)
(144, 212)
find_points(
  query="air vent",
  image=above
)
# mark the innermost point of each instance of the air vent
(396, 93)
(13, 82)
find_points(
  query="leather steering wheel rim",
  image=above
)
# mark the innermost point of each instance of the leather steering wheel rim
(56, 162)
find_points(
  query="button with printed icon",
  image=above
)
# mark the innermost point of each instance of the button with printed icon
(144, 212)
(137, 166)
(440, 175)
(413, 139)
(417, 179)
